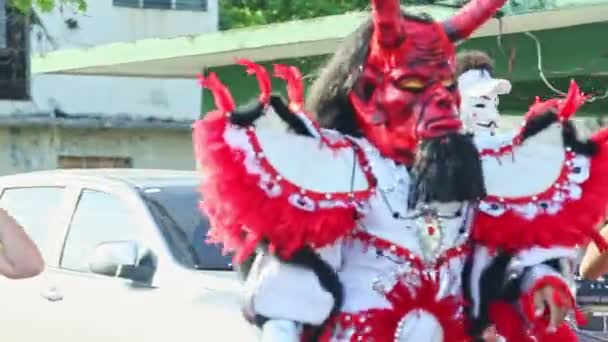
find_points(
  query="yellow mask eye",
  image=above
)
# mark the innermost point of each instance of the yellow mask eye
(411, 84)
(448, 83)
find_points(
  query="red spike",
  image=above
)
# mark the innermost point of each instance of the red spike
(580, 318)
(599, 240)
(470, 17)
(601, 136)
(387, 22)
(574, 100)
(295, 85)
(262, 75)
(221, 95)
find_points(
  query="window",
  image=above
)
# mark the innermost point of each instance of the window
(192, 5)
(75, 162)
(34, 209)
(189, 5)
(14, 56)
(99, 217)
(184, 227)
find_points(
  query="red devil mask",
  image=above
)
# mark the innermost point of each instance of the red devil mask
(407, 90)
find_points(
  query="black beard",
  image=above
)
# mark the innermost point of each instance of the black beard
(446, 169)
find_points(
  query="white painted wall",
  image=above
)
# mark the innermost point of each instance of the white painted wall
(104, 23)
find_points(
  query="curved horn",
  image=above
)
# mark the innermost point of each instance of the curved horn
(295, 85)
(262, 76)
(470, 18)
(387, 22)
(221, 95)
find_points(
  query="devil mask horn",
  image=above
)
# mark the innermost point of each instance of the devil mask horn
(388, 31)
(470, 18)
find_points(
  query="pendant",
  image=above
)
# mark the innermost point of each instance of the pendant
(429, 234)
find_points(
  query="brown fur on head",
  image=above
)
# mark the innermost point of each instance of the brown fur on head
(473, 60)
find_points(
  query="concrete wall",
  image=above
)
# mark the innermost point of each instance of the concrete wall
(31, 149)
(104, 23)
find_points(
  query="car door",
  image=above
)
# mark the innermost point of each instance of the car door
(41, 211)
(96, 307)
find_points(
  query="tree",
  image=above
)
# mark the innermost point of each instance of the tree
(243, 13)
(46, 5)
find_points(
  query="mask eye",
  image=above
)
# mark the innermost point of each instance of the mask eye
(411, 84)
(449, 83)
(365, 89)
(480, 105)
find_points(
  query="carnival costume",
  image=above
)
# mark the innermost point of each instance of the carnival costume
(388, 224)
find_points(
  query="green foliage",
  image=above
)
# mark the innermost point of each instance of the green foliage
(47, 5)
(243, 13)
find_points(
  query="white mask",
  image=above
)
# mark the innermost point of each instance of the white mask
(479, 107)
(480, 114)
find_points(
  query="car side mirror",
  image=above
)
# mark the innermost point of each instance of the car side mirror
(122, 259)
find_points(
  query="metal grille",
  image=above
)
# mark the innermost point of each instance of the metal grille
(192, 5)
(158, 4)
(188, 5)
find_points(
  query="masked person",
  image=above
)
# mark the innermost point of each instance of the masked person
(381, 220)
(479, 92)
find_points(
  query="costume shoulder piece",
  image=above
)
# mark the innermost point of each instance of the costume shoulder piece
(545, 187)
(294, 188)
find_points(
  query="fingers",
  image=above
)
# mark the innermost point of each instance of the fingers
(539, 304)
(490, 335)
(557, 305)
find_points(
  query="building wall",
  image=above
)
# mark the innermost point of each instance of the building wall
(105, 23)
(31, 149)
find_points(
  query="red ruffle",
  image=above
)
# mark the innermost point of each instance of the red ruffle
(382, 324)
(562, 296)
(573, 225)
(242, 215)
(512, 327)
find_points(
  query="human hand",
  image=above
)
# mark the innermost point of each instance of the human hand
(554, 302)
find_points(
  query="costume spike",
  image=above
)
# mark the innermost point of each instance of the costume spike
(387, 23)
(600, 136)
(295, 85)
(221, 95)
(262, 76)
(574, 100)
(470, 17)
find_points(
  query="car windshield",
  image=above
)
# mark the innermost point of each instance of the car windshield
(184, 227)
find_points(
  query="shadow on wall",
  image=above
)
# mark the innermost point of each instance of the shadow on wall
(18, 155)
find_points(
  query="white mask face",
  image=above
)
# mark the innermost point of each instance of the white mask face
(480, 114)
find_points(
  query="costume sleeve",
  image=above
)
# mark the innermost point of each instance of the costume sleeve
(305, 290)
(538, 267)
(547, 191)
(545, 186)
(501, 286)
(271, 176)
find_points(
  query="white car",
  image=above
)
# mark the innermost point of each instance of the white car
(126, 261)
